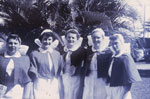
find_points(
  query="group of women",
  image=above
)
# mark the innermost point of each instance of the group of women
(94, 72)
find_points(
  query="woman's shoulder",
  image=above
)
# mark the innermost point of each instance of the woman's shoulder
(34, 52)
(126, 58)
(23, 58)
(56, 52)
(81, 49)
(2, 58)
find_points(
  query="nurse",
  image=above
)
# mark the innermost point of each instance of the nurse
(122, 71)
(45, 68)
(96, 66)
(14, 70)
(73, 58)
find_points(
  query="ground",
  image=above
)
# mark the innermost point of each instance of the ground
(141, 90)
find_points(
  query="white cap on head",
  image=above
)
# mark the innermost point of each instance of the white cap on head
(45, 31)
(99, 30)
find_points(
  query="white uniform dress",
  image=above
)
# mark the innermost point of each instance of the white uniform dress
(45, 87)
(94, 88)
(71, 83)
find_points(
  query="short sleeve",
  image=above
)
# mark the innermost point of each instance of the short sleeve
(33, 72)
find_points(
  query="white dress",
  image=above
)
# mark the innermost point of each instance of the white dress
(94, 88)
(71, 83)
(46, 88)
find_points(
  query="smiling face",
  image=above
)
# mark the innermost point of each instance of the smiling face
(117, 46)
(117, 43)
(46, 41)
(71, 39)
(97, 38)
(12, 46)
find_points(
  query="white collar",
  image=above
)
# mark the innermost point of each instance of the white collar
(104, 42)
(74, 48)
(77, 44)
(97, 50)
(17, 55)
(45, 51)
(54, 44)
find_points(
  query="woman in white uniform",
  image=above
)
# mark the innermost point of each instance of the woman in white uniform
(45, 68)
(73, 61)
(96, 66)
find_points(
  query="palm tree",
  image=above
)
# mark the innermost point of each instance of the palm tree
(29, 17)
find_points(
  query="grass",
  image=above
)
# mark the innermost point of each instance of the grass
(141, 90)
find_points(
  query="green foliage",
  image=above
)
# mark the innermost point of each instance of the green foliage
(29, 17)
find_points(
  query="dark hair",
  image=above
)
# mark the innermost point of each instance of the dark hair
(73, 31)
(14, 36)
(48, 34)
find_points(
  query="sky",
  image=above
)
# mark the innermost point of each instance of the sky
(146, 4)
(147, 12)
(146, 7)
(141, 5)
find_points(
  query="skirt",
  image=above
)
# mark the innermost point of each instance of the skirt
(15, 93)
(71, 86)
(94, 88)
(119, 92)
(46, 88)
